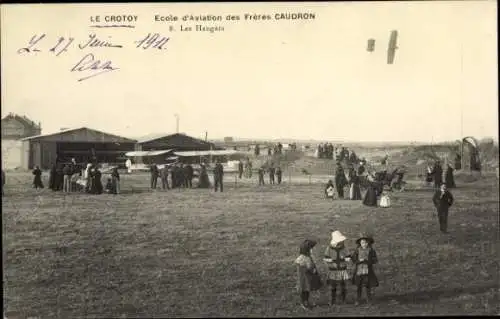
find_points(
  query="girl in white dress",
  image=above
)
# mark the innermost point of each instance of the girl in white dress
(385, 200)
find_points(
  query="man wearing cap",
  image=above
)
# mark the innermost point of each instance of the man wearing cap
(443, 200)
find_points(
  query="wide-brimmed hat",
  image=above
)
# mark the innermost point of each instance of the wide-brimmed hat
(307, 245)
(367, 237)
(337, 237)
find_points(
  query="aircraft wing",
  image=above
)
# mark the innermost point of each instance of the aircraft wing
(146, 153)
(391, 50)
(206, 153)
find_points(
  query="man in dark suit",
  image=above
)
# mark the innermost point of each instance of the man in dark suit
(188, 176)
(437, 173)
(240, 169)
(218, 176)
(443, 200)
(154, 175)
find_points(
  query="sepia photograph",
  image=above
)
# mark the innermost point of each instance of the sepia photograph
(250, 159)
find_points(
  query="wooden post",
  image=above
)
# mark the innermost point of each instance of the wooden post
(235, 181)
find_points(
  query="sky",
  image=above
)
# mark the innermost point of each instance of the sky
(303, 79)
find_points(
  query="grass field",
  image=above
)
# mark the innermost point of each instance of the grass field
(205, 254)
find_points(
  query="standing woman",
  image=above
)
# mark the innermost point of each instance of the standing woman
(355, 190)
(449, 179)
(98, 182)
(37, 180)
(371, 193)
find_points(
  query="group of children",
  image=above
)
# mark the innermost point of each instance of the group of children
(338, 259)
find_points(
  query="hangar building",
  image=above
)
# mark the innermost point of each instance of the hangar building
(79, 143)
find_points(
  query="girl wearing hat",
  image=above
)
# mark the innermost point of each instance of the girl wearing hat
(306, 273)
(336, 258)
(364, 258)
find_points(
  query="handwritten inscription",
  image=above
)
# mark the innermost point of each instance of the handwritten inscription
(96, 42)
(89, 64)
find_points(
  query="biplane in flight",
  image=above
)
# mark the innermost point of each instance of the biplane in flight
(391, 48)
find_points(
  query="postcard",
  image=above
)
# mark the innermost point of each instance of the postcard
(249, 159)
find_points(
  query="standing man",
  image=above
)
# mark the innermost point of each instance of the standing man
(272, 170)
(188, 176)
(67, 172)
(443, 200)
(340, 180)
(437, 173)
(261, 175)
(164, 177)
(278, 174)
(240, 169)
(154, 175)
(218, 176)
(181, 175)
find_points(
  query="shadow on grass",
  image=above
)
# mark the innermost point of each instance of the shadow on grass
(435, 295)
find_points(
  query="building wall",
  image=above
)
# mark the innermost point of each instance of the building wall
(14, 129)
(12, 152)
(35, 155)
(48, 154)
(25, 155)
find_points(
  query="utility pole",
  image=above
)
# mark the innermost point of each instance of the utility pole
(462, 164)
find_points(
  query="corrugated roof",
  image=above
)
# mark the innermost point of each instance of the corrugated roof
(157, 136)
(152, 137)
(73, 130)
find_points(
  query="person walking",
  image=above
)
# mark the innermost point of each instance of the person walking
(443, 200)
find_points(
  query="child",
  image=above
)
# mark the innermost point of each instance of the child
(329, 190)
(385, 200)
(364, 258)
(336, 258)
(306, 273)
(109, 186)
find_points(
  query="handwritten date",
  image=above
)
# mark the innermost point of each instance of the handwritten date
(154, 41)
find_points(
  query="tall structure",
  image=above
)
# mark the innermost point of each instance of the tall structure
(14, 128)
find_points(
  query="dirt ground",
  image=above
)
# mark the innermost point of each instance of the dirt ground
(198, 253)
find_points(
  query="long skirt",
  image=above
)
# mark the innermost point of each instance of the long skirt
(370, 197)
(355, 192)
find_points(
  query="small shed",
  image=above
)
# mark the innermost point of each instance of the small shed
(79, 143)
